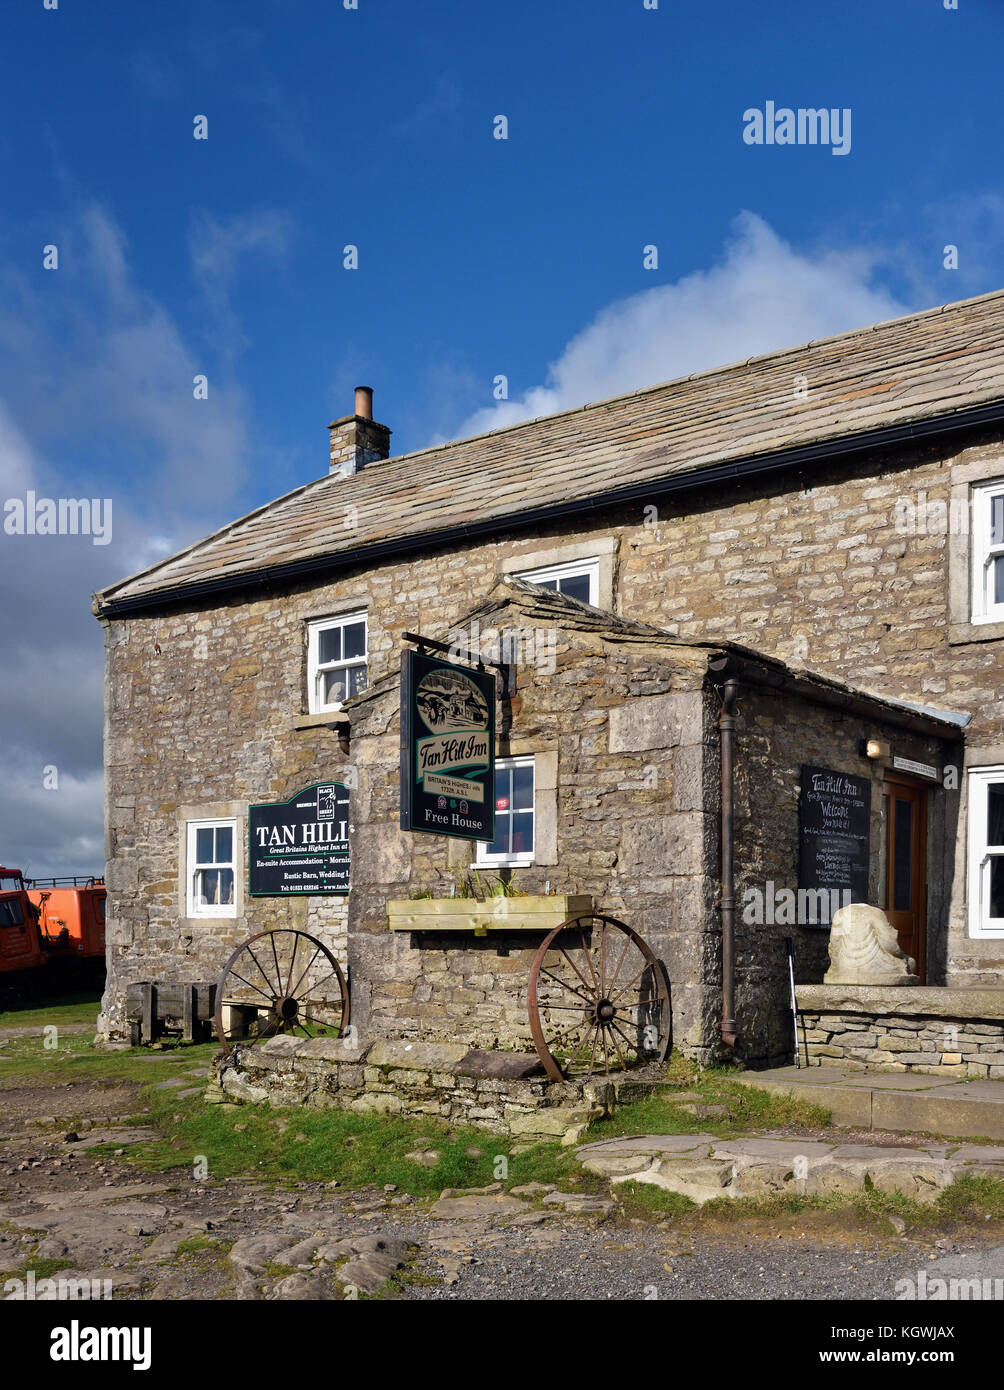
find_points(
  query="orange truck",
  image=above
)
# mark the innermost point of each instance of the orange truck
(71, 915)
(48, 922)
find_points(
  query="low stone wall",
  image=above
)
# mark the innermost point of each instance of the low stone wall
(936, 1031)
(406, 1077)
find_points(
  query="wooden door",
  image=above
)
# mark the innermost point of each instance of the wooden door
(906, 865)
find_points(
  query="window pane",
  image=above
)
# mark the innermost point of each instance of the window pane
(224, 845)
(522, 790)
(997, 519)
(576, 586)
(356, 678)
(995, 813)
(204, 846)
(333, 687)
(500, 845)
(997, 886)
(355, 639)
(997, 579)
(11, 914)
(215, 887)
(903, 856)
(522, 833)
(329, 644)
(545, 583)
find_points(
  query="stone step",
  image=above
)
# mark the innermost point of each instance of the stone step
(910, 1103)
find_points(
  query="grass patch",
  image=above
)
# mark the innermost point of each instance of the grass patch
(196, 1243)
(356, 1150)
(44, 1269)
(79, 1007)
(645, 1199)
(749, 1109)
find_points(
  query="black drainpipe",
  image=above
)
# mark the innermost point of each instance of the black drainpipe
(726, 726)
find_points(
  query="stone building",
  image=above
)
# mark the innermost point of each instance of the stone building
(826, 523)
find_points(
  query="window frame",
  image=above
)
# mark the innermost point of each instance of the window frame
(983, 549)
(193, 908)
(979, 852)
(570, 569)
(315, 669)
(484, 860)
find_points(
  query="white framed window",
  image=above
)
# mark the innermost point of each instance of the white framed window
(988, 553)
(514, 815)
(986, 852)
(578, 578)
(336, 661)
(212, 868)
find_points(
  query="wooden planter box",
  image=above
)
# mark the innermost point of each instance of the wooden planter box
(532, 913)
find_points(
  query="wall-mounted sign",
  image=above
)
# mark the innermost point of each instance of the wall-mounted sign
(834, 835)
(918, 769)
(447, 748)
(300, 845)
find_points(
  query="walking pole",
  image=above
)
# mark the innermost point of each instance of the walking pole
(794, 1002)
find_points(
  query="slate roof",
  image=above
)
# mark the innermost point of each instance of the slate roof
(879, 383)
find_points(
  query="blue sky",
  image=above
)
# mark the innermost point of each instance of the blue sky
(477, 256)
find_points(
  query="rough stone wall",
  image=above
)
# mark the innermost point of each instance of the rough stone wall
(633, 741)
(900, 1042)
(200, 729)
(812, 569)
(775, 734)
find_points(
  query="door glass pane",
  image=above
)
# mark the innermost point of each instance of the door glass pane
(997, 886)
(995, 813)
(576, 586)
(903, 856)
(329, 644)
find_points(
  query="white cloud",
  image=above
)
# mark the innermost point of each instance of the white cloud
(97, 401)
(762, 296)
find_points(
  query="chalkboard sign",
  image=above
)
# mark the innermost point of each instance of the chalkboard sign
(300, 845)
(447, 748)
(834, 833)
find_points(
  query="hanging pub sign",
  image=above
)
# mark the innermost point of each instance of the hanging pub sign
(834, 837)
(300, 845)
(447, 748)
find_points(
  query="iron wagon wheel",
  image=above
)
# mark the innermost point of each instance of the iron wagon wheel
(281, 981)
(601, 1006)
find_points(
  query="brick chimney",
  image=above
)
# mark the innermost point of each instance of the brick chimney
(357, 439)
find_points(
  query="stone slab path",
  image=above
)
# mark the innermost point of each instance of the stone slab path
(905, 1102)
(701, 1167)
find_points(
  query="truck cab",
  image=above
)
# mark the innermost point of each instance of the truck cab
(20, 941)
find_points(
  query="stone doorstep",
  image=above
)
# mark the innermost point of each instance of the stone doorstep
(899, 1101)
(758, 1166)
